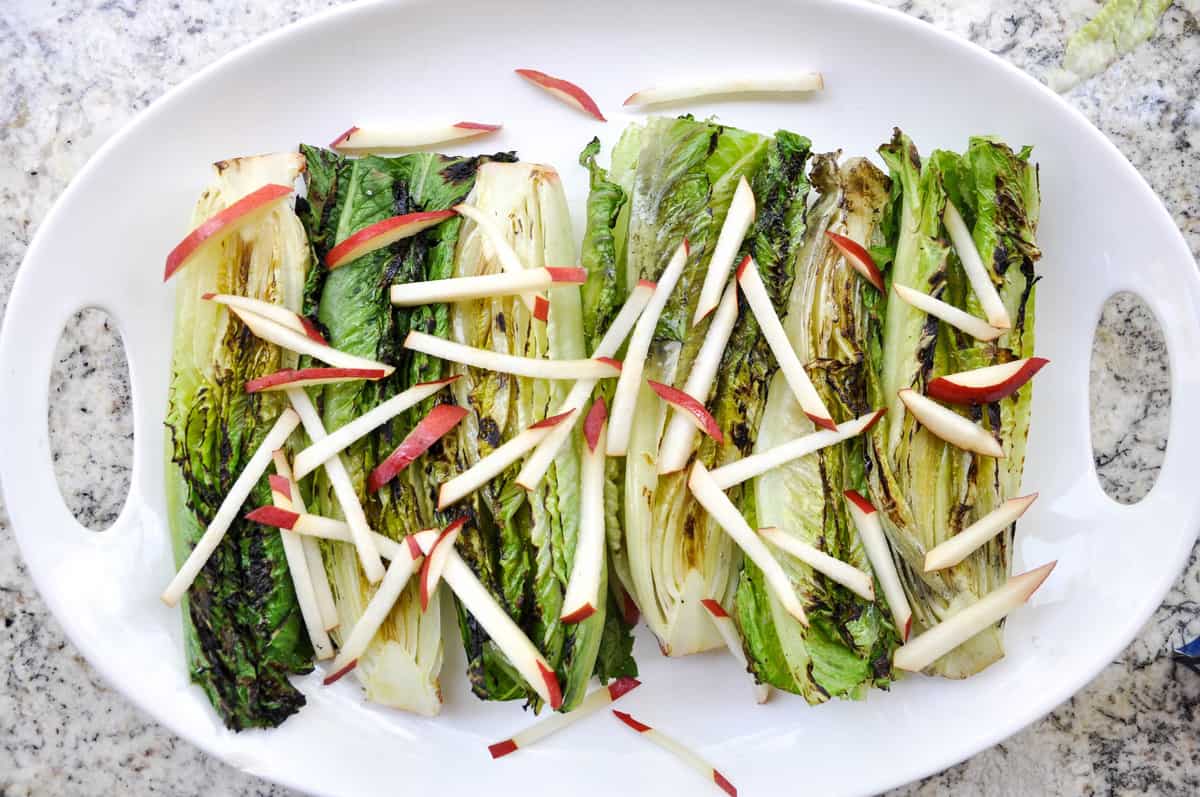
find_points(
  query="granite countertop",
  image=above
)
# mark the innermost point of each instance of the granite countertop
(74, 71)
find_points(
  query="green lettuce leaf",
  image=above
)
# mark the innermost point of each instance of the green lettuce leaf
(847, 646)
(242, 626)
(676, 178)
(928, 490)
(402, 664)
(532, 532)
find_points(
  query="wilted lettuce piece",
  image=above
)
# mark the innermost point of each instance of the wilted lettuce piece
(677, 177)
(242, 625)
(402, 664)
(1117, 28)
(525, 538)
(927, 490)
(847, 646)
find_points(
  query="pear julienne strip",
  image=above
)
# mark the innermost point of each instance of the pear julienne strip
(497, 461)
(600, 698)
(484, 286)
(683, 753)
(625, 395)
(870, 531)
(312, 552)
(746, 468)
(728, 631)
(772, 330)
(509, 261)
(831, 567)
(343, 488)
(282, 491)
(963, 544)
(391, 138)
(679, 440)
(495, 621)
(399, 571)
(738, 219)
(583, 586)
(301, 343)
(532, 367)
(800, 82)
(921, 651)
(710, 496)
(255, 467)
(311, 458)
(972, 264)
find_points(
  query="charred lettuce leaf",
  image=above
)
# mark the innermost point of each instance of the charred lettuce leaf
(677, 177)
(926, 490)
(847, 646)
(526, 538)
(242, 627)
(351, 304)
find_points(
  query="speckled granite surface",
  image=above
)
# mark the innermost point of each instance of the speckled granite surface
(72, 72)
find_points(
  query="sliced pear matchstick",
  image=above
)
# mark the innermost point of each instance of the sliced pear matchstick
(959, 319)
(532, 367)
(870, 531)
(343, 488)
(625, 395)
(950, 426)
(496, 623)
(507, 283)
(831, 567)
(733, 640)
(227, 512)
(312, 553)
(310, 377)
(922, 651)
(509, 261)
(600, 698)
(583, 586)
(435, 562)
(727, 516)
(272, 312)
(497, 461)
(301, 343)
(399, 571)
(395, 138)
(293, 550)
(789, 364)
(737, 222)
(800, 82)
(679, 440)
(747, 468)
(321, 527)
(684, 754)
(312, 457)
(963, 544)
(977, 273)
